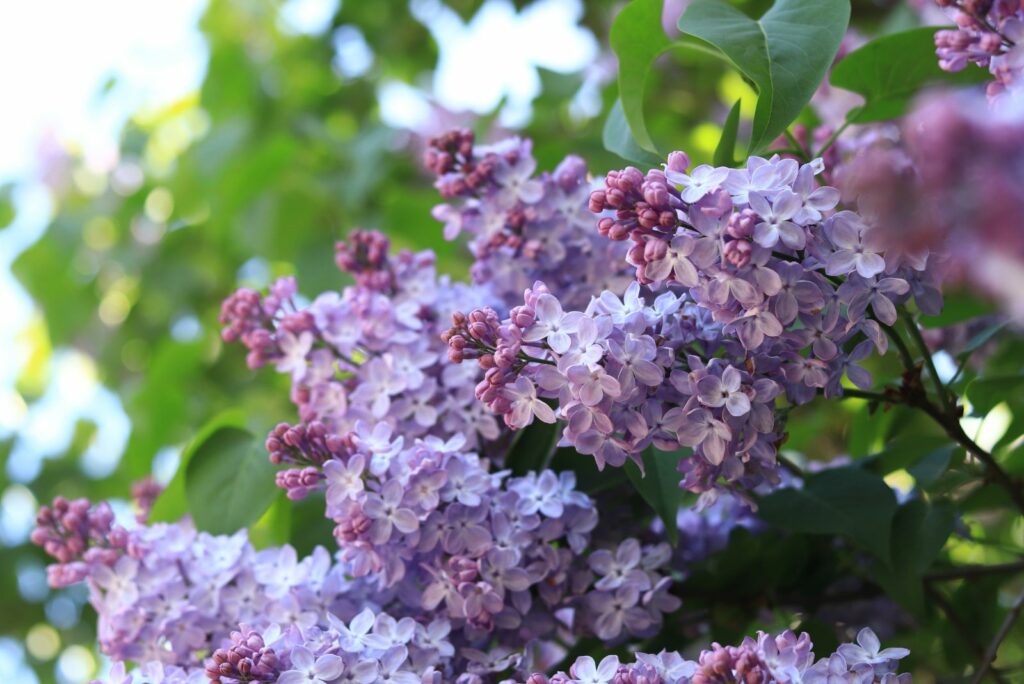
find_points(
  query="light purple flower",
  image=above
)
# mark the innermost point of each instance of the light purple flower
(775, 224)
(699, 182)
(525, 404)
(725, 391)
(309, 670)
(344, 480)
(551, 324)
(387, 512)
(585, 671)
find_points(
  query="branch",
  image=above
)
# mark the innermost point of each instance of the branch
(1004, 630)
(965, 632)
(973, 571)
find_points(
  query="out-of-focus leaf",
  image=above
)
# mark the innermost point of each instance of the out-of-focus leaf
(725, 153)
(637, 38)
(659, 485)
(905, 451)
(932, 465)
(847, 501)
(986, 393)
(229, 482)
(785, 53)
(958, 307)
(172, 503)
(618, 138)
(6, 206)
(919, 531)
(890, 70)
(532, 447)
(982, 338)
(274, 528)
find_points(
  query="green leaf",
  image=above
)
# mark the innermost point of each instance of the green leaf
(6, 205)
(725, 152)
(987, 393)
(930, 468)
(785, 53)
(617, 138)
(172, 503)
(907, 450)
(659, 485)
(589, 479)
(958, 306)
(919, 531)
(637, 38)
(890, 70)
(532, 447)
(982, 338)
(229, 482)
(847, 501)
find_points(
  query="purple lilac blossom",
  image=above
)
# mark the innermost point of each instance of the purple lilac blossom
(953, 185)
(759, 285)
(783, 659)
(989, 34)
(522, 227)
(370, 352)
(438, 555)
(433, 522)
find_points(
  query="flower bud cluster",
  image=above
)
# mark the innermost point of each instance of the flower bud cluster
(523, 227)
(370, 352)
(990, 34)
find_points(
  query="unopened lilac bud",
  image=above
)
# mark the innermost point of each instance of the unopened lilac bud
(678, 161)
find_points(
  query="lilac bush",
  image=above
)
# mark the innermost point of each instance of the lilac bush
(582, 452)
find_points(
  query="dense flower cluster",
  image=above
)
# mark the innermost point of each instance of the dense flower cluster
(955, 184)
(750, 284)
(990, 34)
(523, 227)
(487, 551)
(369, 353)
(767, 659)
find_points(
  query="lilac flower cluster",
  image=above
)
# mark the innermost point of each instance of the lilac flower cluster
(751, 284)
(523, 227)
(173, 594)
(785, 658)
(369, 353)
(486, 551)
(954, 185)
(496, 569)
(80, 537)
(990, 34)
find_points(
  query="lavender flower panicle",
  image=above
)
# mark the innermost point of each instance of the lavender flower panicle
(523, 227)
(989, 34)
(750, 284)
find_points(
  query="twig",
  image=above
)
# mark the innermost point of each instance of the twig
(973, 571)
(791, 467)
(804, 153)
(940, 389)
(954, 619)
(832, 138)
(1004, 630)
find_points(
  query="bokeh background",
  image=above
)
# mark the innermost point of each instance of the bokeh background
(156, 155)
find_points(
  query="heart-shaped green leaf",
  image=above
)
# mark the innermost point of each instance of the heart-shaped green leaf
(847, 501)
(659, 485)
(229, 482)
(890, 70)
(785, 53)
